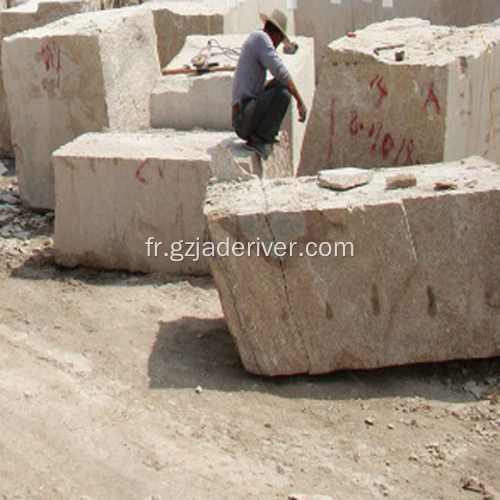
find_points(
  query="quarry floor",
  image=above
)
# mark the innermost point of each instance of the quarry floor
(121, 386)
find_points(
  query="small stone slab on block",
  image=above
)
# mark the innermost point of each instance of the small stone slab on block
(343, 179)
(400, 181)
(407, 276)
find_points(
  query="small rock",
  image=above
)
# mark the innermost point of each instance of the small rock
(445, 186)
(6, 219)
(400, 181)
(343, 179)
(369, 421)
(199, 390)
(475, 389)
(391, 427)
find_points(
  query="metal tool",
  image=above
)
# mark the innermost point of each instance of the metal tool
(377, 50)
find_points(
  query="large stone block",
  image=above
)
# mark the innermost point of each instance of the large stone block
(84, 73)
(27, 16)
(180, 101)
(116, 190)
(327, 20)
(419, 282)
(439, 103)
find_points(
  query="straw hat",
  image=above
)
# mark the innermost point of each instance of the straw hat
(279, 20)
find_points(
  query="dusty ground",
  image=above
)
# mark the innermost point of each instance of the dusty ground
(116, 386)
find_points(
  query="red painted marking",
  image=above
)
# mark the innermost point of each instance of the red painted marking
(50, 53)
(383, 92)
(354, 127)
(139, 176)
(380, 126)
(398, 156)
(387, 145)
(432, 99)
(332, 132)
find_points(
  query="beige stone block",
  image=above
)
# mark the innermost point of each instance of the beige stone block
(84, 73)
(114, 191)
(438, 104)
(325, 21)
(27, 16)
(117, 190)
(419, 282)
(180, 101)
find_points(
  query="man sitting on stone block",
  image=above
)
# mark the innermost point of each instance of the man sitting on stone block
(259, 109)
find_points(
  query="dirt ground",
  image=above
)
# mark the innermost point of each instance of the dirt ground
(120, 386)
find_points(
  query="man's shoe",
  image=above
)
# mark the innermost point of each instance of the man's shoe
(259, 147)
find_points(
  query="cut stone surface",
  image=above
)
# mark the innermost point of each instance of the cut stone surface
(116, 190)
(344, 178)
(180, 101)
(27, 16)
(439, 104)
(75, 76)
(421, 285)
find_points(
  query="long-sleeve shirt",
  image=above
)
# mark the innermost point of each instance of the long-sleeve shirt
(257, 56)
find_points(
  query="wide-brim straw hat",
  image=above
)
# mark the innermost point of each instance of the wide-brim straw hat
(279, 20)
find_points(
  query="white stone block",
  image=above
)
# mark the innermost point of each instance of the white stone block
(84, 73)
(440, 103)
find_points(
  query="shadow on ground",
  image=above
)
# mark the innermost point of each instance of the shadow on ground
(194, 352)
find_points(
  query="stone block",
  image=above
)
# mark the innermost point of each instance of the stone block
(116, 190)
(174, 21)
(325, 21)
(84, 73)
(439, 104)
(27, 16)
(418, 282)
(180, 101)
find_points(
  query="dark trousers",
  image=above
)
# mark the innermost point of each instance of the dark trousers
(263, 115)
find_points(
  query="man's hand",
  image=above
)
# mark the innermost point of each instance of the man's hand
(301, 108)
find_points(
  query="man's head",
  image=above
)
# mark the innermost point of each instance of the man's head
(275, 27)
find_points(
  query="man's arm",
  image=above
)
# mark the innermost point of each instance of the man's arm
(301, 107)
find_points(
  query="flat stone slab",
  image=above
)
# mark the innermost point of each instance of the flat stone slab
(418, 282)
(180, 101)
(343, 179)
(371, 110)
(75, 76)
